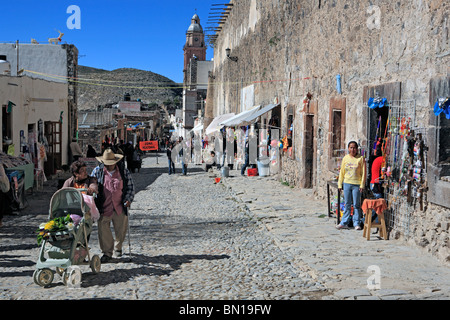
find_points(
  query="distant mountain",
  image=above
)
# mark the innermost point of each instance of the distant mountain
(100, 87)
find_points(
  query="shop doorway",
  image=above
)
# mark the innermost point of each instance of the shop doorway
(6, 127)
(309, 151)
(275, 117)
(52, 132)
(377, 117)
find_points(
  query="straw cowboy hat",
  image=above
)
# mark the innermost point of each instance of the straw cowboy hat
(109, 158)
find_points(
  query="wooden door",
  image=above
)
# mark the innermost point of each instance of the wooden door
(52, 132)
(309, 151)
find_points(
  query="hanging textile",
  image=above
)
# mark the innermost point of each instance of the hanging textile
(11, 149)
(376, 103)
(10, 105)
(442, 105)
(338, 84)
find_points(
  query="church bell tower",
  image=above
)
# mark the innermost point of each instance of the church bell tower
(195, 42)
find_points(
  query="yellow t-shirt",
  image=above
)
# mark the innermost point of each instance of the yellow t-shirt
(353, 171)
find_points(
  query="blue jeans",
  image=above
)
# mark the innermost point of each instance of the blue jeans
(245, 164)
(171, 166)
(352, 195)
(183, 167)
(377, 196)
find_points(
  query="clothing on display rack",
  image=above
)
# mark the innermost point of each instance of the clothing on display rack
(442, 105)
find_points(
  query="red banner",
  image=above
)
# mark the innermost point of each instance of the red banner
(148, 145)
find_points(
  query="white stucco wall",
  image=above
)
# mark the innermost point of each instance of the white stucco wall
(49, 59)
(34, 99)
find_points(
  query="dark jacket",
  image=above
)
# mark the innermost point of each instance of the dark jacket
(128, 186)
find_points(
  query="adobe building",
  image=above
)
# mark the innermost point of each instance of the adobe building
(55, 63)
(36, 115)
(324, 62)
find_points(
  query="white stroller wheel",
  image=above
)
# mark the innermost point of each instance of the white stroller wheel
(95, 264)
(72, 276)
(43, 277)
(35, 276)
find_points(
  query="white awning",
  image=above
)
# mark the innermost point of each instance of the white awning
(260, 112)
(198, 127)
(239, 119)
(215, 124)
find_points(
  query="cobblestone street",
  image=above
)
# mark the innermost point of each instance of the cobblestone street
(243, 238)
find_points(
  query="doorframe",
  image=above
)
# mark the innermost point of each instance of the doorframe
(54, 140)
(309, 181)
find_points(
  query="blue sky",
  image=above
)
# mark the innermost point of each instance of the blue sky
(141, 34)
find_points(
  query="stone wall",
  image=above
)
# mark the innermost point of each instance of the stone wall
(289, 174)
(286, 49)
(430, 231)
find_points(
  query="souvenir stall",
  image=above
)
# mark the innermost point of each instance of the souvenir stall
(17, 169)
(403, 165)
(404, 152)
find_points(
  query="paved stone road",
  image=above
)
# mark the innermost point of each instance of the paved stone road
(339, 259)
(244, 238)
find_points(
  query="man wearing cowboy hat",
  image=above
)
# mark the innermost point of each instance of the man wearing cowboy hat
(116, 192)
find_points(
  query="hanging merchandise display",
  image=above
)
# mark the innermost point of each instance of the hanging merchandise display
(11, 149)
(338, 84)
(376, 102)
(285, 143)
(410, 164)
(442, 105)
(403, 174)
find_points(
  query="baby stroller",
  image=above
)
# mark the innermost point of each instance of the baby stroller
(64, 249)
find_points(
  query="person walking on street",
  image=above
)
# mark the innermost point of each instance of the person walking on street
(352, 179)
(137, 159)
(181, 154)
(116, 193)
(91, 153)
(247, 157)
(75, 150)
(169, 158)
(128, 152)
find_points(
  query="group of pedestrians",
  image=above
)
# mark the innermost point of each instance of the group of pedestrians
(175, 150)
(172, 149)
(114, 190)
(132, 154)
